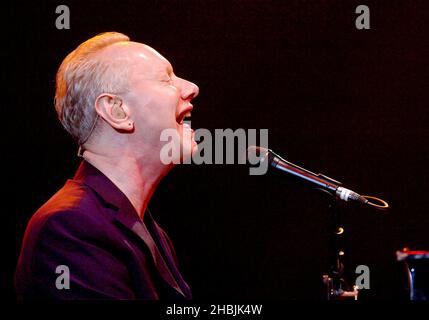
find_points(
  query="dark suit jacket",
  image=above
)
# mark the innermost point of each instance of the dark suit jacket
(91, 227)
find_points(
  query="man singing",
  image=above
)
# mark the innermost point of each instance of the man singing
(114, 97)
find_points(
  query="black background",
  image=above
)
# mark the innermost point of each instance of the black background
(349, 103)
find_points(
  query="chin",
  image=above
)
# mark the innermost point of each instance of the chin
(188, 150)
(179, 147)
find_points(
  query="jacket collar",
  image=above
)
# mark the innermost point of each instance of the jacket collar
(127, 216)
(103, 186)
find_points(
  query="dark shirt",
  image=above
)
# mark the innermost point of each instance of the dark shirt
(91, 227)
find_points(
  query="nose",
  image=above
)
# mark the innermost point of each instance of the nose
(189, 90)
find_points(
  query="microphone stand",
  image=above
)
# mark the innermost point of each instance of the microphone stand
(335, 286)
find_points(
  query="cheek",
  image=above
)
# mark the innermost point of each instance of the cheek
(155, 108)
(166, 105)
(159, 110)
(171, 95)
(163, 98)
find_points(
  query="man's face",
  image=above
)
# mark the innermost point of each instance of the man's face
(158, 99)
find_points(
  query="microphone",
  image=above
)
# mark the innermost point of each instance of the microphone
(319, 180)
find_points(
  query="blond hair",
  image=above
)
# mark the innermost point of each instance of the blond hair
(81, 78)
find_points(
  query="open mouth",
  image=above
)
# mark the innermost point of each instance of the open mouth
(184, 127)
(184, 118)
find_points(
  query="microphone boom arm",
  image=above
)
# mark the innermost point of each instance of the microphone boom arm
(320, 180)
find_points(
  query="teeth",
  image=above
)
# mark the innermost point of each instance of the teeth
(184, 117)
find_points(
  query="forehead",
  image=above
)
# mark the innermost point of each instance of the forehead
(139, 57)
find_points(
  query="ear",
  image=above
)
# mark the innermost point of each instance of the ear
(112, 109)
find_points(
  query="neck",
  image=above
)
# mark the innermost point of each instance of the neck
(136, 177)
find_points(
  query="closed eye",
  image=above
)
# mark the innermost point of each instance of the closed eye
(168, 80)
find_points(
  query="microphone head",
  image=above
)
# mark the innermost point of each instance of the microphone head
(256, 152)
(260, 157)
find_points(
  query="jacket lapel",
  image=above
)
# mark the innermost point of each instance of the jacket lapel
(127, 216)
(138, 227)
(166, 246)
